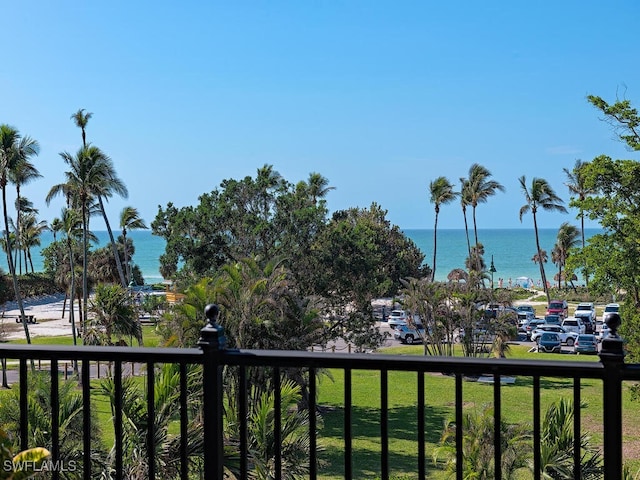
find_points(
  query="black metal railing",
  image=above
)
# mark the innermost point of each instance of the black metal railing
(213, 357)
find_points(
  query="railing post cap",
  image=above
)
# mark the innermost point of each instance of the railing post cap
(612, 349)
(212, 334)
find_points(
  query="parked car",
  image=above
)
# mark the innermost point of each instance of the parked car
(550, 343)
(589, 326)
(407, 334)
(531, 326)
(565, 336)
(526, 308)
(604, 332)
(609, 309)
(397, 318)
(586, 344)
(553, 319)
(525, 317)
(558, 307)
(585, 310)
(573, 324)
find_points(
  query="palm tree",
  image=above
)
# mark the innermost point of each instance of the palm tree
(115, 313)
(577, 186)
(111, 184)
(81, 119)
(23, 173)
(85, 179)
(318, 186)
(71, 224)
(30, 232)
(14, 150)
(129, 220)
(557, 443)
(480, 189)
(441, 192)
(539, 195)
(566, 239)
(465, 201)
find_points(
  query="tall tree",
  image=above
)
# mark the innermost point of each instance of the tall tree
(71, 225)
(111, 184)
(480, 189)
(129, 220)
(318, 186)
(577, 187)
(23, 173)
(566, 239)
(440, 193)
(84, 181)
(14, 149)
(81, 119)
(540, 195)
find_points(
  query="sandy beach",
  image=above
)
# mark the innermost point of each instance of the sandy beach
(47, 311)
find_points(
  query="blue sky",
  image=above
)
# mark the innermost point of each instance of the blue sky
(380, 97)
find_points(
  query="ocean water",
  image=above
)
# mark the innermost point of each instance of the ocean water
(512, 250)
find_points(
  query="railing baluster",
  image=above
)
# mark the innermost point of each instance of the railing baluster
(537, 462)
(184, 423)
(497, 421)
(243, 414)
(421, 433)
(384, 423)
(86, 419)
(117, 379)
(577, 466)
(24, 406)
(459, 433)
(277, 424)
(348, 473)
(313, 457)
(151, 415)
(55, 419)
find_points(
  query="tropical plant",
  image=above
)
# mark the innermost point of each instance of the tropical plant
(294, 438)
(477, 445)
(557, 442)
(567, 238)
(25, 464)
(114, 314)
(136, 423)
(39, 412)
(129, 220)
(540, 195)
(15, 150)
(440, 193)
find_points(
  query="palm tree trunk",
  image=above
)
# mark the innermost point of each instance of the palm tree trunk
(435, 245)
(585, 270)
(71, 312)
(85, 254)
(114, 248)
(126, 257)
(542, 274)
(12, 268)
(466, 229)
